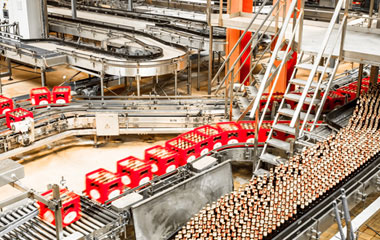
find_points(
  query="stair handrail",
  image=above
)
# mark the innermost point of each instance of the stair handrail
(237, 60)
(254, 104)
(227, 60)
(317, 60)
(320, 108)
(283, 61)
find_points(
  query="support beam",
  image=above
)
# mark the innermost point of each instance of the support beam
(189, 79)
(9, 64)
(373, 76)
(138, 79)
(199, 70)
(74, 9)
(102, 85)
(130, 5)
(211, 61)
(58, 212)
(360, 78)
(44, 17)
(43, 77)
(175, 82)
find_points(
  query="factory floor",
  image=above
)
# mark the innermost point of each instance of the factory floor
(69, 160)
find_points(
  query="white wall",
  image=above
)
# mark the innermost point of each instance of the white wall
(28, 14)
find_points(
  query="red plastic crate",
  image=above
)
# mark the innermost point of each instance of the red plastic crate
(40, 96)
(70, 207)
(203, 141)
(162, 160)
(61, 94)
(231, 132)
(349, 92)
(17, 115)
(102, 185)
(334, 99)
(187, 150)
(134, 172)
(6, 104)
(215, 135)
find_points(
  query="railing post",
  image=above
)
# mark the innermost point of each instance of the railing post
(300, 33)
(211, 52)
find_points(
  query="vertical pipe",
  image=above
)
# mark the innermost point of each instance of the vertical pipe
(255, 152)
(374, 76)
(130, 5)
(371, 5)
(189, 79)
(102, 85)
(58, 212)
(232, 93)
(350, 231)
(211, 61)
(199, 70)
(43, 77)
(175, 81)
(219, 64)
(138, 78)
(360, 77)
(44, 18)
(338, 221)
(9, 64)
(74, 9)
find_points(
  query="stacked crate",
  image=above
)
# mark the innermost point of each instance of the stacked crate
(70, 207)
(102, 185)
(162, 160)
(134, 172)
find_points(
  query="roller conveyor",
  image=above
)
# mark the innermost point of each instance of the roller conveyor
(96, 223)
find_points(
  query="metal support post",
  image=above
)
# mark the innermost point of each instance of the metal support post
(199, 70)
(231, 93)
(219, 63)
(371, 5)
(138, 79)
(373, 76)
(378, 15)
(189, 79)
(58, 212)
(347, 218)
(255, 151)
(338, 221)
(102, 85)
(43, 77)
(175, 82)
(9, 64)
(360, 77)
(211, 62)
(44, 17)
(130, 5)
(74, 9)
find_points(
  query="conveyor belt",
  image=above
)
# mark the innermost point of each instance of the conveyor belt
(96, 223)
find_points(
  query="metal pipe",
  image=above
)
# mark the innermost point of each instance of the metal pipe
(175, 82)
(138, 78)
(189, 79)
(43, 77)
(58, 212)
(199, 70)
(360, 78)
(371, 5)
(347, 218)
(44, 18)
(74, 9)
(338, 221)
(211, 52)
(130, 5)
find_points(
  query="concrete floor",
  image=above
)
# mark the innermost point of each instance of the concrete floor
(72, 163)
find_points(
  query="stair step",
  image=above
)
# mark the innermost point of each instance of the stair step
(302, 82)
(290, 113)
(251, 91)
(309, 66)
(284, 128)
(261, 172)
(272, 159)
(242, 102)
(258, 77)
(296, 98)
(279, 144)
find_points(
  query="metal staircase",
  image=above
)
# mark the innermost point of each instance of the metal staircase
(309, 100)
(246, 91)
